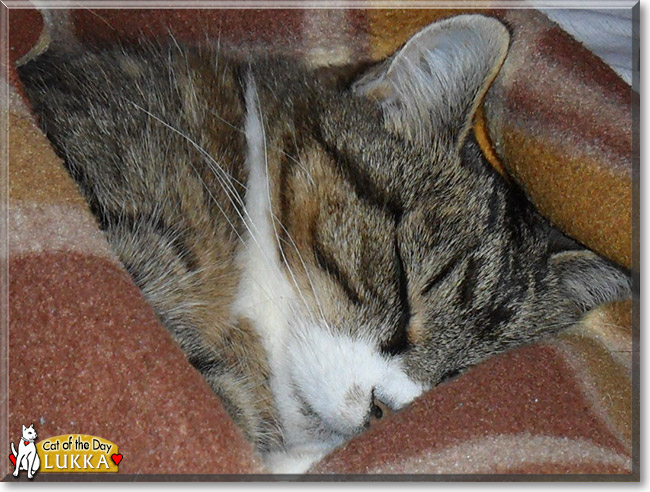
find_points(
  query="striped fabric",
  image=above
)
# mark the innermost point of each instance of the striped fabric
(87, 355)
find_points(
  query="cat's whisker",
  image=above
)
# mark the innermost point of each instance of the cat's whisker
(247, 222)
(101, 18)
(268, 301)
(225, 181)
(268, 197)
(298, 160)
(226, 122)
(173, 38)
(198, 175)
(560, 326)
(276, 220)
(611, 325)
(217, 49)
(304, 266)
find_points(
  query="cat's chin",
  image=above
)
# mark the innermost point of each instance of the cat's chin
(298, 459)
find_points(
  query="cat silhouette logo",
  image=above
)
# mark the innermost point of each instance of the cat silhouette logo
(26, 458)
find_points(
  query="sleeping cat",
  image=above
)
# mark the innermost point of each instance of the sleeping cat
(324, 249)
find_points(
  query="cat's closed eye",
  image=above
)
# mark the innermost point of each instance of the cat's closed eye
(399, 342)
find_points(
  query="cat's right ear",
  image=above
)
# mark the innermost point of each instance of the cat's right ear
(434, 84)
(24, 428)
(587, 280)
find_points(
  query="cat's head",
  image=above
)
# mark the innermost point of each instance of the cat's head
(29, 433)
(413, 259)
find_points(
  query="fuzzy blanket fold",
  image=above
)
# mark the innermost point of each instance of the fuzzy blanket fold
(87, 354)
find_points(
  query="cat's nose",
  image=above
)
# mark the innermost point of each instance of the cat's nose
(378, 410)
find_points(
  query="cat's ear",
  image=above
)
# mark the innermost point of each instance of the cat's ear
(434, 84)
(588, 280)
(24, 428)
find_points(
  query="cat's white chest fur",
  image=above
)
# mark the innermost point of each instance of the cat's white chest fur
(264, 296)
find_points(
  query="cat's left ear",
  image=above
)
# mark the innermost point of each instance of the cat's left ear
(434, 84)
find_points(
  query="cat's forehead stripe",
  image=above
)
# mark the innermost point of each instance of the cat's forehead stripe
(365, 188)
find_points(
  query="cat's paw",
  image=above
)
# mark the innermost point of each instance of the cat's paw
(295, 460)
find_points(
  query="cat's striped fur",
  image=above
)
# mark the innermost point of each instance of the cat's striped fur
(323, 251)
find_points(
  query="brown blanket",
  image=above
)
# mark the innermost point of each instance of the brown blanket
(87, 354)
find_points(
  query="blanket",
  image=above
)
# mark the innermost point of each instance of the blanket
(87, 355)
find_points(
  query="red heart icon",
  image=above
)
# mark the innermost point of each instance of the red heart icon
(12, 458)
(116, 458)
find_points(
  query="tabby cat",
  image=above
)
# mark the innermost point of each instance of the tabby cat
(324, 248)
